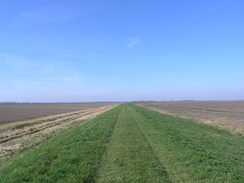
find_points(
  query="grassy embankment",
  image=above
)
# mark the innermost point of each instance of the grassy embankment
(132, 144)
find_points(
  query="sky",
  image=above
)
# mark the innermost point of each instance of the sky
(121, 50)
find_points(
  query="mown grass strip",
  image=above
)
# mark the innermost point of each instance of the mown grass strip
(129, 157)
(193, 152)
(133, 144)
(73, 156)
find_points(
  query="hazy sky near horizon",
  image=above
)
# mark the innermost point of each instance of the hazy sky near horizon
(108, 50)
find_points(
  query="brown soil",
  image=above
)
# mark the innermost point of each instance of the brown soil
(20, 112)
(17, 136)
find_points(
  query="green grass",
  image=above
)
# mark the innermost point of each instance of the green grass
(73, 156)
(193, 152)
(129, 156)
(130, 144)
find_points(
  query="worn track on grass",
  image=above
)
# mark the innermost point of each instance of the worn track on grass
(133, 144)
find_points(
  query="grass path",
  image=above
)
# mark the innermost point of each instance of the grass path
(129, 156)
(130, 144)
(73, 156)
(193, 152)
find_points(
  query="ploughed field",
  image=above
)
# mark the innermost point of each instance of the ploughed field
(19, 112)
(132, 144)
(224, 114)
(20, 135)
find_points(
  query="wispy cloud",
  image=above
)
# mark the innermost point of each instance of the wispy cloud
(133, 42)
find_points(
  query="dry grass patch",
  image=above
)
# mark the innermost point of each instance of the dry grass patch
(23, 135)
(224, 115)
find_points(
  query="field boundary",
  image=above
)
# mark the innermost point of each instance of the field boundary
(223, 125)
(27, 139)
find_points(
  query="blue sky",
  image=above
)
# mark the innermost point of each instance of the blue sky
(124, 50)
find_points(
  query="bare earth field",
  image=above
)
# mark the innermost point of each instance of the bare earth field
(19, 112)
(224, 114)
(20, 135)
